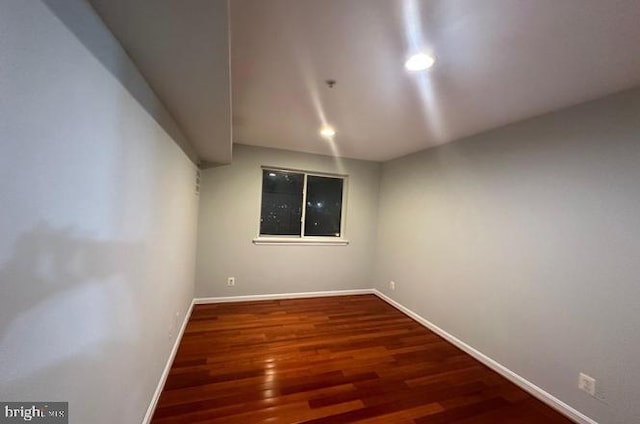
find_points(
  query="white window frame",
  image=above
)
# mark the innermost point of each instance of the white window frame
(303, 240)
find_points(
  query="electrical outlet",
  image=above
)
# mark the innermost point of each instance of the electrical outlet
(173, 328)
(231, 281)
(587, 384)
(392, 285)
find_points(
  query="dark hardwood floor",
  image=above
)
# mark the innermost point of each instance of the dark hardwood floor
(331, 360)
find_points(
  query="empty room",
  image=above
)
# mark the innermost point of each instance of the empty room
(320, 211)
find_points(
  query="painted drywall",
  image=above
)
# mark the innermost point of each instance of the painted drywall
(182, 49)
(523, 242)
(98, 218)
(229, 221)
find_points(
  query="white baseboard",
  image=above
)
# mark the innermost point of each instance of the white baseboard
(205, 300)
(163, 378)
(520, 381)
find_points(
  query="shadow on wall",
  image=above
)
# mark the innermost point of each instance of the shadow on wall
(82, 20)
(65, 311)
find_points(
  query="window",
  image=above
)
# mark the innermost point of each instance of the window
(301, 207)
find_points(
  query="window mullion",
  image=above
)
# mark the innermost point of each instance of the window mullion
(304, 206)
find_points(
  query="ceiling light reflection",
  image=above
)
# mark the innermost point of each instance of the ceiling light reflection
(327, 131)
(419, 62)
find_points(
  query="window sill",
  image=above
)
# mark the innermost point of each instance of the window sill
(308, 241)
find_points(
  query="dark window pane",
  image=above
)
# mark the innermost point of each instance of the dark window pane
(324, 206)
(281, 203)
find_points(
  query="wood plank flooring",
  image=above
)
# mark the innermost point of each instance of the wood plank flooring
(331, 360)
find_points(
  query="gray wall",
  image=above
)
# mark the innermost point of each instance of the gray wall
(98, 218)
(229, 221)
(523, 242)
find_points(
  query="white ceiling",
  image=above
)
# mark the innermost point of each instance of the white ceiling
(498, 61)
(182, 49)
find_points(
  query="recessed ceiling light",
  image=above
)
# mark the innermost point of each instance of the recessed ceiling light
(327, 131)
(419, 62)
